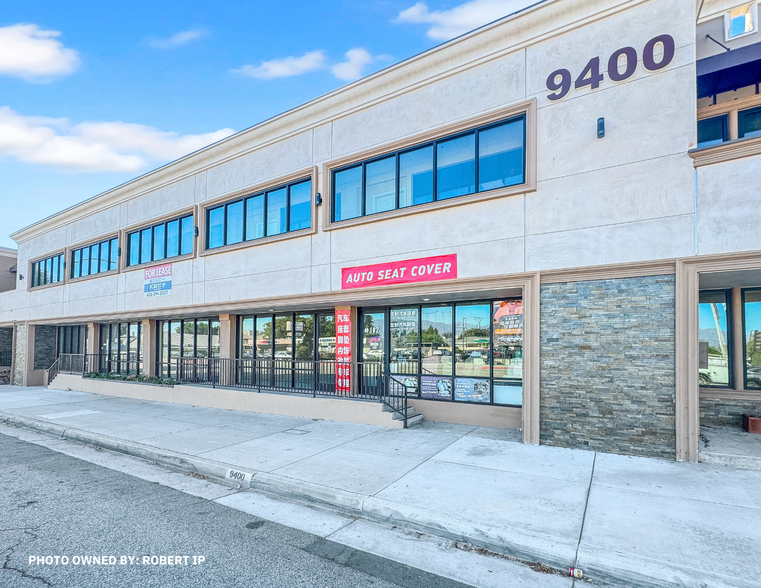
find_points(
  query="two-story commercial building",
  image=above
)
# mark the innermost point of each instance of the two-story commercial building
(544, 224)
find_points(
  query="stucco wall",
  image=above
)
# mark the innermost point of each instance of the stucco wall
(597, 201)
(19, 366)
(607, 365)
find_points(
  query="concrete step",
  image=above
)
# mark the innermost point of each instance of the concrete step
(743, 462)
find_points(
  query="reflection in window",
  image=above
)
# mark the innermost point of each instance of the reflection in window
(740, 21)
(403, 341)
(380, 185)
(456, 167)
(326, 337)
(94, 259)
(264, 337)
(276, 212)
(49, 271)
(304, 335)
(752, 309)
(713, 347)
(712, 131)
(235, 222)
(436, 340)
(159, 233)
(500, 156)
(373, 336)
(255, 217)
(246, 339)
(301, 206)
(749, 123)
(347, 186)
(216, 227)
(472, 324)
(416, 176)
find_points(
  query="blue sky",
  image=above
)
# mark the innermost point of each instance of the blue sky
(93, 94)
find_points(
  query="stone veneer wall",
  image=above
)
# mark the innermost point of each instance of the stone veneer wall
(716, 412)
(44, 346)
(20, 356)
(608, 365)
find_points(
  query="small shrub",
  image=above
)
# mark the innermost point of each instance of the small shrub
(131, 378)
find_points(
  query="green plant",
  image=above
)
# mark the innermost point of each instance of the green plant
(131, 378)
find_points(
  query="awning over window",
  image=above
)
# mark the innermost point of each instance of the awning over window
(729, 70)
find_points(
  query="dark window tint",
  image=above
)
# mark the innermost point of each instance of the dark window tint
(712, 131)
(749, 123)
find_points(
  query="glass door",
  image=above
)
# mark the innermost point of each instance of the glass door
(373, 350)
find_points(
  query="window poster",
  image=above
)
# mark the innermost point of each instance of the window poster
(399, 385)
(343, 351)
(470, 390)
(508, 321)
(435, 388)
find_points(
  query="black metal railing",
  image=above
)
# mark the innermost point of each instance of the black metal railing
(53, 370)
(5, 358)
(282, 375)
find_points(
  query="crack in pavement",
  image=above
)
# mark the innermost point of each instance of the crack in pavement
(12, 549)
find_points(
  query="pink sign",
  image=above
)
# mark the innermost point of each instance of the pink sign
(424, 269)
(343, 351)
(160, 271)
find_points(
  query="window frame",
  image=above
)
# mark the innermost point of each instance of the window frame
(253, 191)
(165, 221)
(88, 245)
(42, 262)
(731, 340)
(483, 122)
(728, 37)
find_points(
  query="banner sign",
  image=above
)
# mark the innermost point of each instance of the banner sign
(424, 269)
(470, 390)
(158, 281)
(343, 351)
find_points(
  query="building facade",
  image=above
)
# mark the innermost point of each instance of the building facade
(544, 224)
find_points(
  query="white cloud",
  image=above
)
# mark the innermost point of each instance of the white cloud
(93, 146)
(448, 24)
(31, 53)
(352, 68)
(179, 39)
(285, 68)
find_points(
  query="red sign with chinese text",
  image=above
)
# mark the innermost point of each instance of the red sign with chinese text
(424, 269)
(343, 351)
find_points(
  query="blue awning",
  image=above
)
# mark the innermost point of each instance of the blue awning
(729, 70)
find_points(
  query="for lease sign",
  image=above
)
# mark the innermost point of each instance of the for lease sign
(423, 269)
(158, 281)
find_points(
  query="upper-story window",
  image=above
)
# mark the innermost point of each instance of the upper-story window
(741, 21)
(161, 241)
(281, 210)
(478, 160)
(749, 123)
(712, 131)
(47, 271)
(95, 259)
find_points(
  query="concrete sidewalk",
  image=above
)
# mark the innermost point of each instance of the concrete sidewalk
(625, 520)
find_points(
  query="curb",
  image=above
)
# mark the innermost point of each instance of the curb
(515, 543)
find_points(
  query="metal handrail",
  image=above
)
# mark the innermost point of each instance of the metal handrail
(53, 370)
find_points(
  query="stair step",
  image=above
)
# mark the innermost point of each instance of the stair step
(416, 420)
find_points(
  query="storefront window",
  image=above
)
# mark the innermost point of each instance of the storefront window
(264, 337)
(752, 310)
(472, 340)
(403, 341)
(714, 337)
(373, 336)
(436, 340)
(246, 338)
(121, 347)
(326, 337)
(304, 336)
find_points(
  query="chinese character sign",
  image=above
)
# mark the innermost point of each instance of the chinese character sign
(343, 351)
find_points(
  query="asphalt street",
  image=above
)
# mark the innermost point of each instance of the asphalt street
(55, 506)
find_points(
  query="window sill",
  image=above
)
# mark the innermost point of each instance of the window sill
(431, 206)
(164, 261)
(727, 151)
(46, 286)
(729, 394)
(262, 241)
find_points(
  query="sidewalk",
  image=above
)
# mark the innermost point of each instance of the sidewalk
(626, 520)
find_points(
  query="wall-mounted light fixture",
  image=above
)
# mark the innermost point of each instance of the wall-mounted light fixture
(195, 231)
(600, 128)
(318, 199)
(21, 277)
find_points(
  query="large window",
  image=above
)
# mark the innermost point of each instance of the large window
(712, 131)
(162, 241)
(483, 159)
(464, 352)
(95, 259)
(47, 271)
(749, 123)
(186, 338)
(71, 339)
(714, 338)
(741, 21)
(280, 210)
(121, 347)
